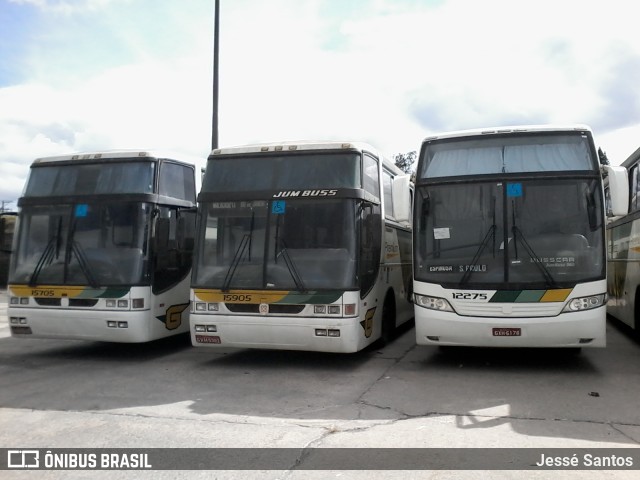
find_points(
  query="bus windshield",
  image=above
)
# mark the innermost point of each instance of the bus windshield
(282, 245)
(537, 233)
(512, 154)
(95, 244)
(90, 179)
(291, 171)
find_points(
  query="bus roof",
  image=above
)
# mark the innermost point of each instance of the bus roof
(509, 129)
(305, 146)
(116, 154)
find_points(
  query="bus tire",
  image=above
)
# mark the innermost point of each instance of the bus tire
(388, 319)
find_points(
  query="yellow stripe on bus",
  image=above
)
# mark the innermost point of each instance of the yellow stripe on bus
(240, 296)
(559, 295)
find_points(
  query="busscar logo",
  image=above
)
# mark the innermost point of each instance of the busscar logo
(23, 459)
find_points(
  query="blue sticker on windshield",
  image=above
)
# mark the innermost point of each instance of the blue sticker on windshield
(514, 190)
(278, 207)
(82, 210)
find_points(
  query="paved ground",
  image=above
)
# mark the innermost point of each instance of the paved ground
(56, 394)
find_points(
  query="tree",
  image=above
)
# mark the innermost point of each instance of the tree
(405, 161)
(602, 155)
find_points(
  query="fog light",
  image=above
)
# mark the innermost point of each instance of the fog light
(111, 303)
(212, 328)
(321, 332)
(123, 325)
(112, 324)
(334, 333)
(199, 328)
(321, 309)
(14, 320)
(22, 320)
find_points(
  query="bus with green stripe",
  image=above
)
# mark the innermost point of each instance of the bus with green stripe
(301, 246)
(509, 229)
(103, 247)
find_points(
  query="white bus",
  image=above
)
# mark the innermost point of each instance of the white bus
(103, 248)
(509, 238)
(301, 246)
(623, 248)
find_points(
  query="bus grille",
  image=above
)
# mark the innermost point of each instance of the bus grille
(273, 308)
(48, 302)
(83, 302)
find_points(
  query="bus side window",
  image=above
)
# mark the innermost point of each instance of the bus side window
(370, 246)
(388, 195)
(177, 181)
(633, 203)
(371, 179)
(173, 249)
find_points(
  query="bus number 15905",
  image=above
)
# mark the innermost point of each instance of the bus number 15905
(233, 297)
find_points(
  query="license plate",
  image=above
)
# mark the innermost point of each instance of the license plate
(507, 332)
(207, 339)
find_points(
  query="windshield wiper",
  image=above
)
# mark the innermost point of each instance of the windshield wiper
(75, 248)
(491, 233)
(292, 268)
(518, 235)
(48, 254)
(246, 240)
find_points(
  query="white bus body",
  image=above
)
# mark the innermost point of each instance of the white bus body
(509, 239)
(623, 249)
(301, 246)
(103, 248)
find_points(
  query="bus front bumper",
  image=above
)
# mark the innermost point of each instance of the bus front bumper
(341, 335)
(567, 330)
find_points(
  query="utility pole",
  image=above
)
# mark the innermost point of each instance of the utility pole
(216, 50)
(5, 202)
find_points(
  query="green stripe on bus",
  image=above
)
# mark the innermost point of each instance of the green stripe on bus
(530, 296)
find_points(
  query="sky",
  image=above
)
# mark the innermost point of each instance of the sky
(92, 75)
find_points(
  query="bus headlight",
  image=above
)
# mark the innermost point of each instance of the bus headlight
(585, 303)
(432, 303)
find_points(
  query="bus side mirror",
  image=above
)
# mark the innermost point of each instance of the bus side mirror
(618, 189)
(401, 192)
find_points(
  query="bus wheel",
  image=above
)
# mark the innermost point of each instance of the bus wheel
(388, 319)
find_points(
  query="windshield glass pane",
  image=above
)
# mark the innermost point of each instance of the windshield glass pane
(282, 245)
(552, 229)
(513, 154)
(88, 179)
(297, 171)
(312, 245)
(82, 244)
(232, 252)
